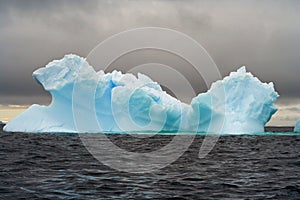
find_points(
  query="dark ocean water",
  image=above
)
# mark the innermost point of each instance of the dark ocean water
(57, 166)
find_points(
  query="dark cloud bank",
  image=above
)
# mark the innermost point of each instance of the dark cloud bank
(263, 35)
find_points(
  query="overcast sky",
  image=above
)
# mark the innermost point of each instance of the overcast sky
(263, 35)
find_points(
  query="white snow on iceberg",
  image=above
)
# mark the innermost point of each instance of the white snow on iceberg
(124, 102)
(297, 127)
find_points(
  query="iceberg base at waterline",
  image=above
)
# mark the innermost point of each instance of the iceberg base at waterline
(239, 103)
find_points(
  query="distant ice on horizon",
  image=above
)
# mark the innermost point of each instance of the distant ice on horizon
(126, 103)
(297, 126)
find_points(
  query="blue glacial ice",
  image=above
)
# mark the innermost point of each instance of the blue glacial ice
(125, 103)
(297, 127)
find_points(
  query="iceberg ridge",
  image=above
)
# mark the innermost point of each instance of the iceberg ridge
(125, 103)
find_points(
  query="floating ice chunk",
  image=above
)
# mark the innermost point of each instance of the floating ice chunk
(297, 127)
(124, 102)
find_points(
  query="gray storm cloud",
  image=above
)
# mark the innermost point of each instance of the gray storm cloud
(261, 35)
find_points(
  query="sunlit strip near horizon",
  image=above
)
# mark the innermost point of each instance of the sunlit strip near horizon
(286, 115)
(9, 112)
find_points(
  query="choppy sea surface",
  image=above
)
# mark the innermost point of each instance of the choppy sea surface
(58, 166)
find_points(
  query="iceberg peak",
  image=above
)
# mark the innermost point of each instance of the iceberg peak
(242, 69)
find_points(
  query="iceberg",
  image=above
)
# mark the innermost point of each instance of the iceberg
(126, 103)
(297, 127)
